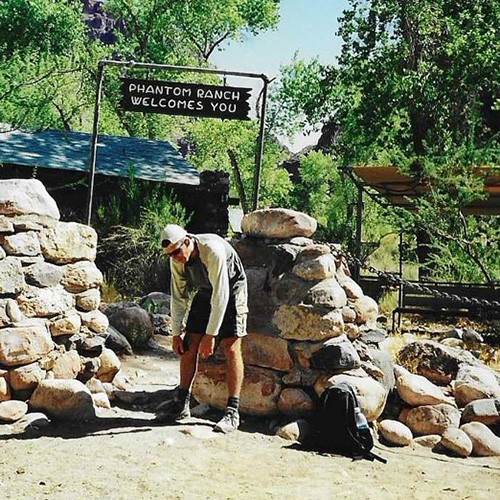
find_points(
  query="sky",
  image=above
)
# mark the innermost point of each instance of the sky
(306, 28)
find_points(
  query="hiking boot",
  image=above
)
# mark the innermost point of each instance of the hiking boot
(229, 422)
(172, 411)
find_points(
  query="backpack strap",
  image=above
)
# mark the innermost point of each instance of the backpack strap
(373, 456)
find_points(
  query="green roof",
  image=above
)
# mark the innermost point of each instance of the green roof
(116, 155)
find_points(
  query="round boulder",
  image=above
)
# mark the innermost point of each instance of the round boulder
(63, 399)
(395, 432)
(278, 223)
(457, 442)
(134, 323)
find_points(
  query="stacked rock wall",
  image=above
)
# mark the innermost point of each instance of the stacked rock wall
(50, 326)
(307, 323)
(311, 326)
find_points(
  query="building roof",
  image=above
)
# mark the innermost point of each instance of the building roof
(116, 155)
(401, 190)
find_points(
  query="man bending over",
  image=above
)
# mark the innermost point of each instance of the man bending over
(208, 284)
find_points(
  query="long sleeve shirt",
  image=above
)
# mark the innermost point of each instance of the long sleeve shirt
(218, 270)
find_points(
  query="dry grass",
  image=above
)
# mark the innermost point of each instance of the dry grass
(109, 293)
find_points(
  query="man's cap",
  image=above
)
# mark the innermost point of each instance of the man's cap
(171, 234)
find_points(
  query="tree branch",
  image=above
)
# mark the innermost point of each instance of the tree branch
(240, 187)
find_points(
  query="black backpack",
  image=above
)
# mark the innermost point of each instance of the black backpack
(334, 429)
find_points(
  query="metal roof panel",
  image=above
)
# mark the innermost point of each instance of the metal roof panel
(116, 155)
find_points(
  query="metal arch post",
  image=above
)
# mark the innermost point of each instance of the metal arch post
(260, 145)
(359, 229)
(93, 149)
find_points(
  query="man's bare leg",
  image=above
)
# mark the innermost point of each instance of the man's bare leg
(234, 379)
(234, 365)
(189, 361)
(178, 408)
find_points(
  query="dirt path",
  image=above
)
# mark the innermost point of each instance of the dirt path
(124, 455)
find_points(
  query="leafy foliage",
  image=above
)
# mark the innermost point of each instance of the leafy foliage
(325, 193)
(417, 86)
(211, 142)
(128, 236)
(43, 52)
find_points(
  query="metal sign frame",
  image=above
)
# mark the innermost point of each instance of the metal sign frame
(190, 69)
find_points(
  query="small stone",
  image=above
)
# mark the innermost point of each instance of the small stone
(395, 432)
(457, 441)
(294, 431)
(428, 441)
(13, 410)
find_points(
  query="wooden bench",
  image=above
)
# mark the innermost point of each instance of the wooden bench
(413, 299)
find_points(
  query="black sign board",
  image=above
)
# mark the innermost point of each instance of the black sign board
(187, 99)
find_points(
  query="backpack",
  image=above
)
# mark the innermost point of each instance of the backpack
(334, 428)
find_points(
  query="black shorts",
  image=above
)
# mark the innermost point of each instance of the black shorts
(233, 324)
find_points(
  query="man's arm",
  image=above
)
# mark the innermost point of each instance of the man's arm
(178, 295)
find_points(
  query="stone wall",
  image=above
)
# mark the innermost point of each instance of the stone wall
(309, 321)
(51, 329)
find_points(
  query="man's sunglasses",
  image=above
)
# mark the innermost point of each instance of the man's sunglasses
(175, 252)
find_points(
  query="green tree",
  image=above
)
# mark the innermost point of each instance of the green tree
(212, 139)
(48, 63)
(413, 79)
(43, 52)
(187, 31)
(417, 86)
(324, 193)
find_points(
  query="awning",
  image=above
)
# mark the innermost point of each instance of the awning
(116, 155)
(401, 190)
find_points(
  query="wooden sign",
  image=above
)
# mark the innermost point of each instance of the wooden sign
(187, 99)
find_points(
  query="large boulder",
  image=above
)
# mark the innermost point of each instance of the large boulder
(28, 198)
(22, 244)
(295, 402)
(278, 223)
(134, 323)
(416, 390)
(435, 361)
(43, 274)
(304, 322)
(432, 419)
(259, 395)
(12, 410)
(81, 276)
(44, 302)
(336, 354)
(68, 242)
(327, 293)
(23, 345)
(484, 442)
(109, 366)
(267, 352)
(395, 432)
(486, 411)
(457, 441)
(27, 377)
(319, 268)
(11, 276)
(63, 399)
(475, 382)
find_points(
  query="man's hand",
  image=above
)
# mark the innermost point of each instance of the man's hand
(178, 345)
(206, 347)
